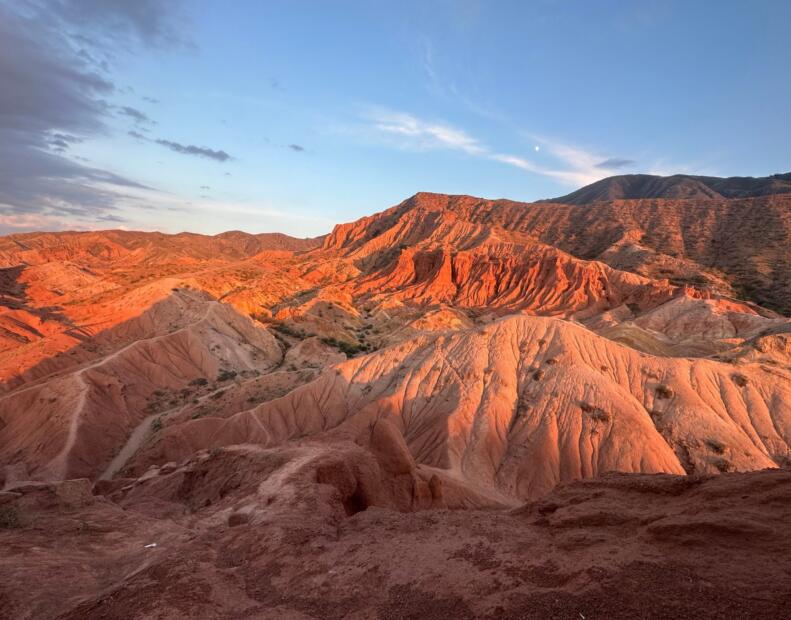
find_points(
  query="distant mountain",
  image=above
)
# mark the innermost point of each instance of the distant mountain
(98, 248)
(678, 186)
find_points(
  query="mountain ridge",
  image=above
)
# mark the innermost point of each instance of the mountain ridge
(677, 186)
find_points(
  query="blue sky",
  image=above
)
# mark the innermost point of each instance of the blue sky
(294, 116)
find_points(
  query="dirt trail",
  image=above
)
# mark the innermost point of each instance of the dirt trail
(143, 431)
(59, 465)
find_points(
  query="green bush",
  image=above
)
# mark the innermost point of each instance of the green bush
(349, 348)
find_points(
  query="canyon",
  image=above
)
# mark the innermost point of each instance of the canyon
(453, 407)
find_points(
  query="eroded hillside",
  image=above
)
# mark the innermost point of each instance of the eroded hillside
(189, 408)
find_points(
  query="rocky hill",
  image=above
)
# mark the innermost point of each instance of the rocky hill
(678, 186)
(231, 397)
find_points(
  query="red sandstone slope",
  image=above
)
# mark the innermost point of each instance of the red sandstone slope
(445, 265)
(736, 245)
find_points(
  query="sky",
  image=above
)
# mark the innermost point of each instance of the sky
(206, 116)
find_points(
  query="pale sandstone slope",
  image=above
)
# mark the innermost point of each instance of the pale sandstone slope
(74, 421)
(523, 404)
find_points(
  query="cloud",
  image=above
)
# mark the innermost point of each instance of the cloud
(184, 149)
(25, 222)
(54, 60)
(136, 115)
(151, 100)
(151, 23)
(296, 147)
(570, 165)
(615, 162)
(422, 134)
(199, 151)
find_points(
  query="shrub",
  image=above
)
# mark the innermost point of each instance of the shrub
(740, 380)
(226, 375)
(156, 425)
(9, 518)
(715, 446)
(349, 348)
(200, 381)
(290, 331)
(664, 391)
(596, 413)
(724, 465)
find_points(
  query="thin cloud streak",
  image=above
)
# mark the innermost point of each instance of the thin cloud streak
(580, 166)
(136, 115)
(198, 151)
(423, 134)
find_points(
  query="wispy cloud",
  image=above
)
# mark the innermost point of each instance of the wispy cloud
(567, 164)
(191, 149)
(615, 162)
(138, 117)
(422, 134)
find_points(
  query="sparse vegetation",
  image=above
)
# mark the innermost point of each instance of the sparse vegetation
(663, 391)
(288, 330)
(9, 518)
(724, 465)
(596, 413)
(200, 381)
(740, 380)
(156, 425)
(226, 375)
(349, 348)
(715, 446)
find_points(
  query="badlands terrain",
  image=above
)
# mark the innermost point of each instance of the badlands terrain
(454, 408)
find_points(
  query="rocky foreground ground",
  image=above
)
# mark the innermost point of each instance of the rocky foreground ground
(249, 533)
